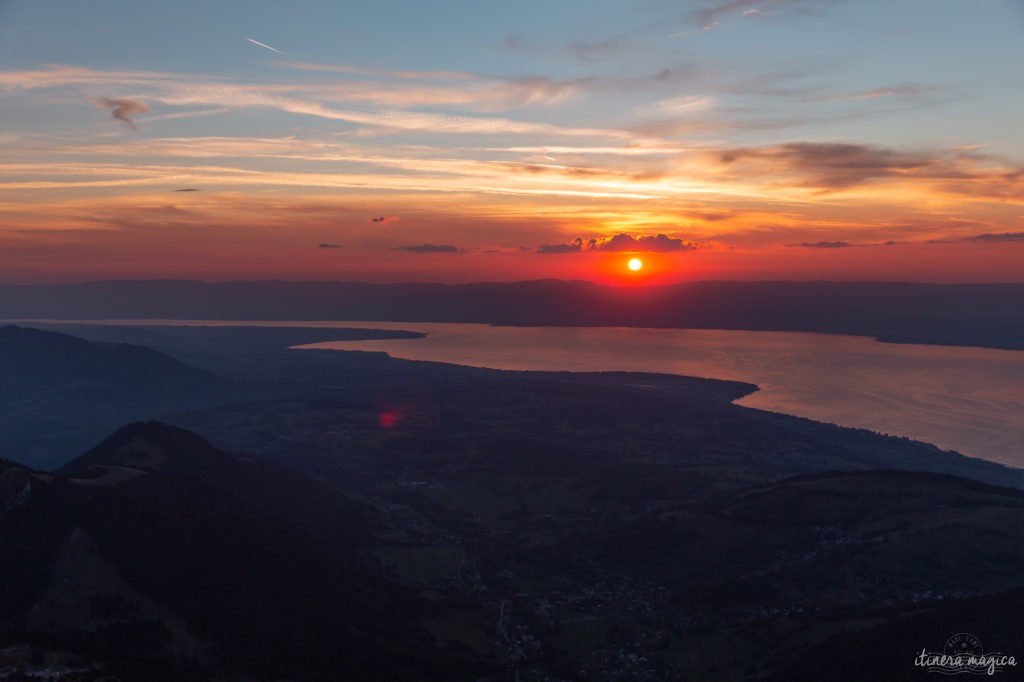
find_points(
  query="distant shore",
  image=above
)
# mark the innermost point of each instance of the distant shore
(978, 315)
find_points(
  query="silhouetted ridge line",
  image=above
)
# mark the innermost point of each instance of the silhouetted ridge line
(955, 314)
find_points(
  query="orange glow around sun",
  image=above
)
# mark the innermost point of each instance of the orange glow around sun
(635, 264)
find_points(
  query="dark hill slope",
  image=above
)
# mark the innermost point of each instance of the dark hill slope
(222, 348)
(59, 393)
(616, 523)
(888, 651)
(165, 569)
(272, 487)
(756, 576)
(30, 357)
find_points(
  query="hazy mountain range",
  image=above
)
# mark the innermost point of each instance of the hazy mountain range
(958, 314)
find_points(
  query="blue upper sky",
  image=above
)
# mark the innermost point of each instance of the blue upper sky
(754, 56)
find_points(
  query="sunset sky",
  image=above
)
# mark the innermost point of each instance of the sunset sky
(472, 140)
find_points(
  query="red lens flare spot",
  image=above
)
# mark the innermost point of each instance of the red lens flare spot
(390, 418)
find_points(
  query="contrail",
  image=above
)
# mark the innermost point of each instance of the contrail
(272, 49)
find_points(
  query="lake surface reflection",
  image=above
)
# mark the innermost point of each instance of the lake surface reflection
(965, 399)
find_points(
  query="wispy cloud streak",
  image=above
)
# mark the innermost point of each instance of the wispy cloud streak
(320, 100)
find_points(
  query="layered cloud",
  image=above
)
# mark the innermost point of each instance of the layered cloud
(1003, 237)
(429, 248)
(829, 167)
(593, 157)
(621, 242)
(653, 242)
(575, 246)
(825, 245)
(325, 100)
(795, 172)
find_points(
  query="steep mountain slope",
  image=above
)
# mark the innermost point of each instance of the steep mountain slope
(160, 566)
(272, 487)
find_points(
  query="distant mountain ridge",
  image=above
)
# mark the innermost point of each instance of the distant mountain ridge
(35, 355)
(60, 393)
(956, 314)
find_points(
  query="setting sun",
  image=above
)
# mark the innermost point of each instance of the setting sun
(635, 264)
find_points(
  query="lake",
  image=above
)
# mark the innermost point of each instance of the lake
(965, 399)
